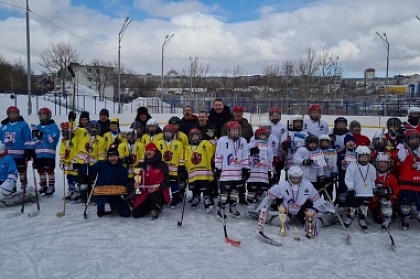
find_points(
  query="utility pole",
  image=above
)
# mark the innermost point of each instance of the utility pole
(384, 38)
(120, 35)
(28, 55)
(165, 42)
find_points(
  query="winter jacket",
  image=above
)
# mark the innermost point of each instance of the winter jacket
(153, 171)
(103, 127)
(187, 124)
(246, 129)
(8, 169)
(14, 135)
(219, 119)
(46, 147)
(109, 174)
(208, 132)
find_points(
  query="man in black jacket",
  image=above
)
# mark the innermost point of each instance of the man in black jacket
(189, 120)
(103, 122)
(219, 115)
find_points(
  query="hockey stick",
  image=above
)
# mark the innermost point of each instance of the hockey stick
(183, 209)
(234, 243)
(393, 246)
(62, 213)
(260, 231)
(89, 198)
(35, 213)
(340, 219)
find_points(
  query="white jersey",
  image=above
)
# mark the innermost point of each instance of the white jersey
(298, 140)
(294, 197)
(339, 142)
(316, 128)
(330, 156)
(260, 163)
(310, 173)
(273, 142)
(278, 130)
(361, 179)
(231, 157)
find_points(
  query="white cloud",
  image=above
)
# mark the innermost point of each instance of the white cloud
(346, 27)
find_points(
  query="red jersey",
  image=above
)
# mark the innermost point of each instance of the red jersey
(409, 175)
(361, 140)
(388, 180)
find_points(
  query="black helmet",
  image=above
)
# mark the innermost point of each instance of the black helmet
(174, 120)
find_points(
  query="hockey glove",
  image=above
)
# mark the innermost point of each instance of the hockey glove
(321, 179)
(254, 150)
(117, 141)
(332, 137)
(245, 174)
(307, 162)
(217, 173)
(384, 191)
(334, 177)
(37, 134)
(286, 144)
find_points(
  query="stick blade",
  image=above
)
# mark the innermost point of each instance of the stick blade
(393, 246)
(234, 243)
(14, 214)
(60, 214)
(179, 224)
(348, 239)
(33, 214)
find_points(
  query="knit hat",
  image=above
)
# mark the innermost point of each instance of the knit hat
(115, 121)
(151, 146)
(104, 111)
(84, 114)
(142, 110)
(112, 151)
(354, 123)
(349, 137)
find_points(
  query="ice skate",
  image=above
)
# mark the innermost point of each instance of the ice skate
(195, 201)
(220, 215)
(363, 225)
(233, 211)
(208, 204)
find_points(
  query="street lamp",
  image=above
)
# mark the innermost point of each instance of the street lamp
(120, 35)
(165, 42)
(384, 38)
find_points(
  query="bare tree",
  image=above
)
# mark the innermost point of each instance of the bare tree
(287, 71)
(203, 71)
(58, 56)
(102, 73)
(307, 67)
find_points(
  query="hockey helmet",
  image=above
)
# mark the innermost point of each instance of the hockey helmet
(93, 128)
(414, 115)
(267, 124)
(383, 162)
(136, 125)
(262, 133)
(233, 129)
(378, 141)
(13, 109)
(324, 141)
(362, 154)
(315, 112)
(152, 122)
(44, 114)
(131, 135)
(294, 173)
(393, 123)
(314, 107)
(340, 120)
(311, 142)
(296, 123)
(195, 136)
(174, 120)
(411, 138)
(168, 132)
(274, 114)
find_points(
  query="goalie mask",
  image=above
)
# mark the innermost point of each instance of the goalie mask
(383, 162)
(296, 123)
(233, 130)
(311, 142)
(363, 155)
(168, 133)
(275, 115)
(262, 134)
(411, 138)
(295, 174)
(324, 142)
(194, 136)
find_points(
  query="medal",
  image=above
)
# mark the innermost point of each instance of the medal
(366, 184)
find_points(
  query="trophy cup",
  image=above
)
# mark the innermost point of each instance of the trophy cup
(137, 178)
(309, 216)
(283, 219)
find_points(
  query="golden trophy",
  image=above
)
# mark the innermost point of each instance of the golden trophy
(309, 215)
(283, 219)
(137, 178)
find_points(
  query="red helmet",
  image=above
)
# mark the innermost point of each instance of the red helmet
(65, 125)
(314, 107)
(46, 111)
(275, 110)
(191, 136)
(411, 133)
(13, 109)
(233, 129)
(233, 124)
(263, 131)
(168, 127)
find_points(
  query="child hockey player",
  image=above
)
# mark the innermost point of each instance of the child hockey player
(330, 169)
(198, 162)
(315, 125)
(299, 197)
(153, 132)
(231, 168)
(68, 165)
(175, 121)
(261, 163)
(277, 130)
(46, 134)
(293, 139)
(113, 137)
(413, 119)
(344, 158)
(339, 132)
(173, 155)
(14, 133)
(386, 192)
(409, 159)
(360, 181)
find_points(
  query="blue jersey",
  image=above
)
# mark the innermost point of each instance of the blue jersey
(14, 135)
(8, 168)
(46, 147)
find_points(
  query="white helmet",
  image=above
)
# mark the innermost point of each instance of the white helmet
(383, 157)
(295, 117)
(265, 123)
(413, 110)
(363, 149)
(295, 172)
(360, 152)
(152, 122)
(324, 137)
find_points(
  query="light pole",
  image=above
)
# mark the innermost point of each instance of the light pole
(120, 35)
(384, 38)
(28, 54)
(165, 42)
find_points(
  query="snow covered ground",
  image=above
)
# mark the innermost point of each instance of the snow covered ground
(46, 246)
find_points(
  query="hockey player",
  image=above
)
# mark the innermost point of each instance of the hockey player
(136, 125)
(293, 139)
(154, 184)
(344, 158)
(413, 119)
(386, 193)
(153, 132)
(198, 162)
(356, 131)
(113, 137)
(231, 168)
(360, 181)
(46, 134)
(175, 121)
(315, 125)
(395, 131)
(377, 145)
(261, 163)
(298, 196)
(330, 169)
(339, 132)
(312, 162)
(409, 159)
(14, 133)
(173, 155)
(8, 178)
(277, 130)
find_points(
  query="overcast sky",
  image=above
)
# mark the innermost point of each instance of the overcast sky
(225, 33)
